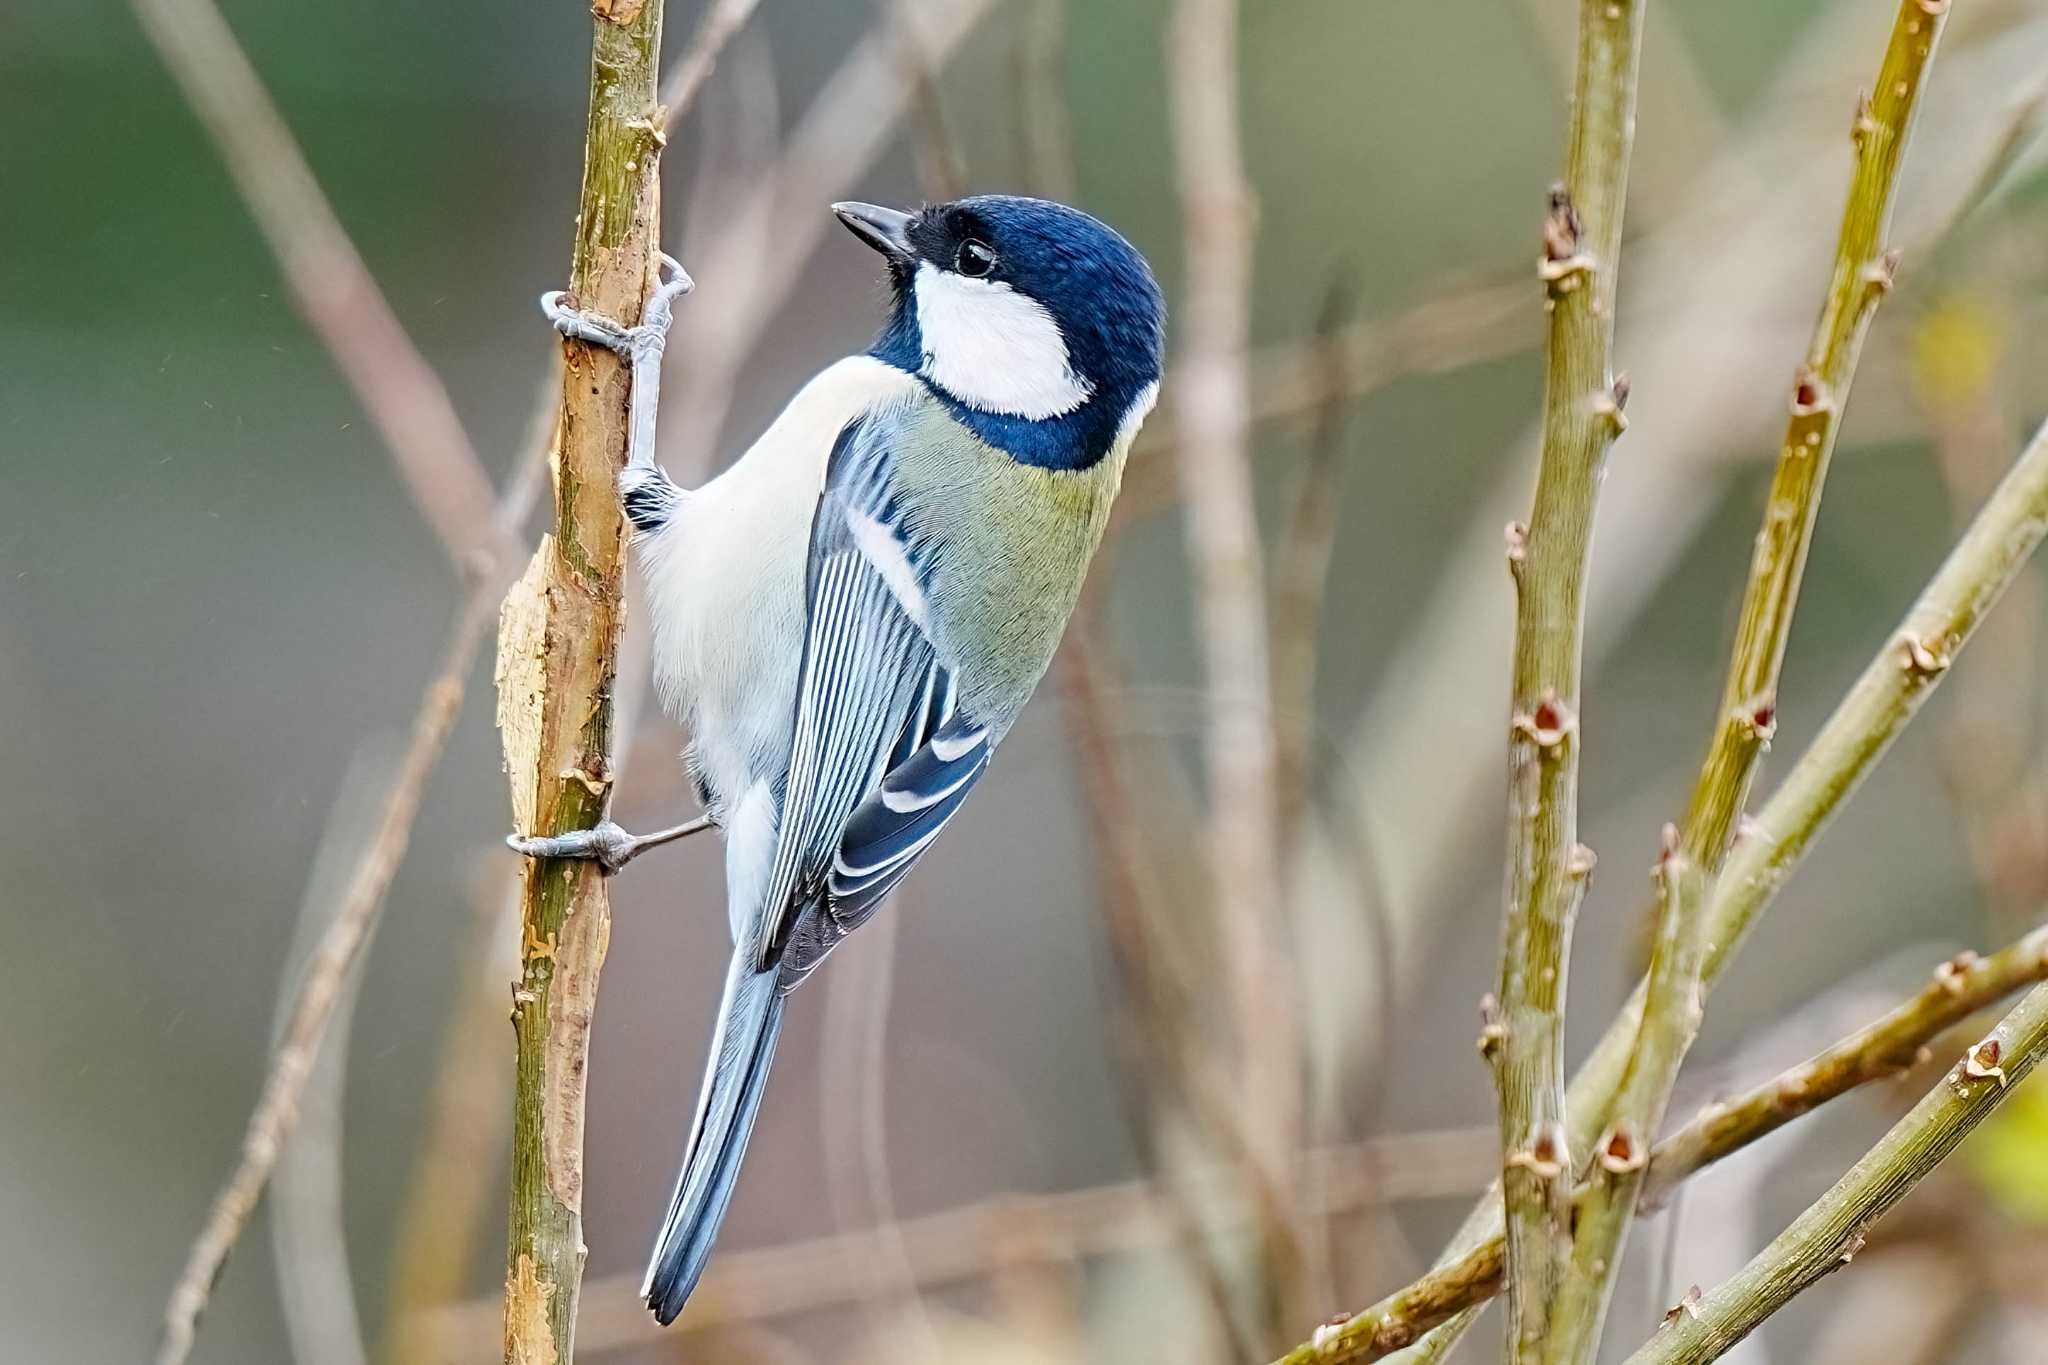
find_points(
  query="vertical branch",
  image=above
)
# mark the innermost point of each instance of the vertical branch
(559, 639)
(1894, 685)
(1858, 279)
(1211, 396)
(1828, 1234)
(1547, 866)
(1301, 571)
(1861, 275)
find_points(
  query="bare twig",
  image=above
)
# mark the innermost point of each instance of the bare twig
(467, 1129)
(270, 1125)
(940, 169)
(1891, 691)
(1703, 316)
(1301, 573)
(996, 1235)
(1960, 988)
(687, 76)
(558, 642)
(849, 124)
(1828, 1234)
(332, 287)
(1746, 718)
(1547, 866)
(308, 1237)
(1044, 128)
(1457, 329)
(1211, 400)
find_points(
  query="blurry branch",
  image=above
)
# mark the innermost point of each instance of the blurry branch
(1212, 403)
(462, 1145)
(1828, 1235)
(1960, 988)
(1547, 867)
(779, 220)
(559, 637)
(1462, 328)
(446, 479)
(1860, 276)
(308, 1236)
(1301, 573)
(1044, 128)
(1891, 691)
(333, 288)
(996, 1235)
(853, 1071)
(277, 1107)
(941, 172)
(686, 78)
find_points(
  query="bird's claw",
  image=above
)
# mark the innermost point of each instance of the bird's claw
(609, 846)
(647, 339)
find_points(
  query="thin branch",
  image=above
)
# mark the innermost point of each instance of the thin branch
(767, 231)
(1044, 126)
(1459, 329)
(334, 290)
(468, 1126)
(1960, 988)
(941, 171)
(1547, 866)
(996, 1235)
(308, 1238)
(687, 76)
(1828, 1234)
(1211, 400)
(559, 640)
(1862, 272)
(1301, 575)
(1890, 692)
(277, 1107)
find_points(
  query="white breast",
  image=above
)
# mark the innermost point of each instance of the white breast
(725, 582)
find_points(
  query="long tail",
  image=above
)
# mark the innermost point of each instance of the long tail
(749, 1023)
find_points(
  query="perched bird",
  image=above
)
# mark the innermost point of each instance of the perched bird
(849, 619)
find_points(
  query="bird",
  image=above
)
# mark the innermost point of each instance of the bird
(848, 620)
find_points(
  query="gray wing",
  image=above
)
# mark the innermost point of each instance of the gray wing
(881, 755)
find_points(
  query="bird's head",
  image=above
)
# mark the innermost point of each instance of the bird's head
(1039, 324)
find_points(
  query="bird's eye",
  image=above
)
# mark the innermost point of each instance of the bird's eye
(975, 259)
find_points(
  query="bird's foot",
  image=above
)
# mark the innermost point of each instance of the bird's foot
(647, 339)
(605, 843)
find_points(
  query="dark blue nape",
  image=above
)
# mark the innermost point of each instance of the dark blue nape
(1097, 288)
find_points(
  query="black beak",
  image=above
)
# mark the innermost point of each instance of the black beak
(886, 230)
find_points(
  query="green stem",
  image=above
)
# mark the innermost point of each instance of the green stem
(1959, 988)
(1885, 698)
(1858, 279)
(559, 638)
(1825, 1237)
(1547, 868)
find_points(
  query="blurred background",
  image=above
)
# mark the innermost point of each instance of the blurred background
(219, 605)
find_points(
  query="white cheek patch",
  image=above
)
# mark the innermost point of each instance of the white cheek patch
(994, 348)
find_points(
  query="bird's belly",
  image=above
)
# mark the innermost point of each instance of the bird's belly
(726, 582)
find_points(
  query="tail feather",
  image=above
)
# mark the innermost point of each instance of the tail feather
(749, 1023)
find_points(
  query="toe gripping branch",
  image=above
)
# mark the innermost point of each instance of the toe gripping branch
(641, 346)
